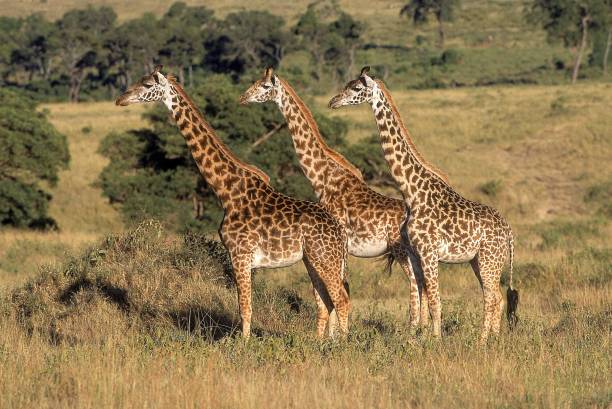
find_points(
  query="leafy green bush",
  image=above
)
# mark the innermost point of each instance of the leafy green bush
(31, 150)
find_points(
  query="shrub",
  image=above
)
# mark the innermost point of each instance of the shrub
(491, 188)
(31, 150)
(153, 285)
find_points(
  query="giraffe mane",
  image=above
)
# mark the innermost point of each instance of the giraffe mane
(335, 156)
(250, 168)
(408, 138)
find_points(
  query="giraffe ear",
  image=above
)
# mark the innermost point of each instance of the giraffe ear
(365, 70)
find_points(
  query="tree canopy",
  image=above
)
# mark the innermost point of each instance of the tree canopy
(569, 21)
(31, 151)
(420, 10)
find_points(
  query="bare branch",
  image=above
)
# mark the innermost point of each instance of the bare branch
(268, 135)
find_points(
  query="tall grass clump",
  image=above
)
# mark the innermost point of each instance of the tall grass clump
(146, 282)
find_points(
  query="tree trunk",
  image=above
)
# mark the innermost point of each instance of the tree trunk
(181, 75)
(190, 71)
(583, 43)
(440, 33)
(607, 53)
(351, 65)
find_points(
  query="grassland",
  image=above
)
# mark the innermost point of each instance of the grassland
(539, 154)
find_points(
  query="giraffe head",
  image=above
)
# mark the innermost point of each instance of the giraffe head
(356, 92)
(151, 88)
(265, 89)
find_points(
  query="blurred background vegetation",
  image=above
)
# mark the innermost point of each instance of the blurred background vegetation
(92, 54)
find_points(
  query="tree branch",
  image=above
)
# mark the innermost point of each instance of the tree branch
(268, 135)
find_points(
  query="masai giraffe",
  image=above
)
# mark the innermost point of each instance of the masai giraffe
(372, 221)
(443, 226)
(261, 227)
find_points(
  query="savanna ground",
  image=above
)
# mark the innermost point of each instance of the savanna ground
(148, 319)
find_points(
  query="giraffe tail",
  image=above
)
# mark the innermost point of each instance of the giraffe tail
(388, 259)
(512, 295)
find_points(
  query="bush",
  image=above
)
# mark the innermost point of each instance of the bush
(151, 284)
(491, 188)
(600, 195)
(31, 151)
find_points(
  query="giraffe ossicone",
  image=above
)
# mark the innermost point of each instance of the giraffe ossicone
(261, 227)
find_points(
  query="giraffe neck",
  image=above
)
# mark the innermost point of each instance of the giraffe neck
(318, 161)
(220, 168)
(410, 171)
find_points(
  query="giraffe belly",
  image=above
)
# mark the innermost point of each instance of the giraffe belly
(267, 259)
(367, 248)
(452, 253)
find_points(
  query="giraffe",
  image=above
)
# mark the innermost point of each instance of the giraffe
(372, 221)
(261, 227)
(443, 226)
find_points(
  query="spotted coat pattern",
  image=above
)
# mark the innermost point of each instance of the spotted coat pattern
(372, 221)
(261, 227)
(443, 226)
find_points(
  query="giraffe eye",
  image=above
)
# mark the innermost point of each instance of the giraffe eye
(266, 86)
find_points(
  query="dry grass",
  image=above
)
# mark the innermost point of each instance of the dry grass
(548, 147)
(144, 320)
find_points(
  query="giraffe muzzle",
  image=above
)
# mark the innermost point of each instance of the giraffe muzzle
(335, 102)
(243, 100)
(126, 98)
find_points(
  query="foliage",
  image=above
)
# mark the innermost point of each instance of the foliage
(331, 37)
(247, 39)
(419, 11)
(570, 22)
(151, 172)
(31, 151)
(491, 188)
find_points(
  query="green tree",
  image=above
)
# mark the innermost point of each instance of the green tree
(37, 48)
(248, 40)
(80, 36)
(570, 21)
(186, 29)
(9, 42)
(420, 10)
(31, 150)
(331, 37)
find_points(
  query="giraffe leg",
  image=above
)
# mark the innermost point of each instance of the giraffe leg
(322, 311)
(423, 297)
(242, 271)
(429, 264)
(415, 303)
(332, 324)
(337, 300)
(488, 275)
